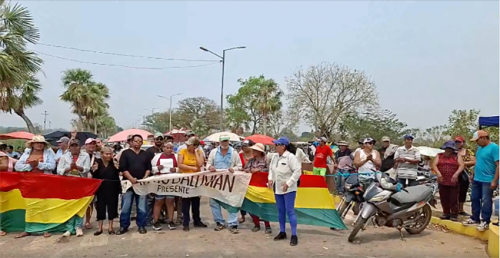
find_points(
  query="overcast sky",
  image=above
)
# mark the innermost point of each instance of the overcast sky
(426, 58)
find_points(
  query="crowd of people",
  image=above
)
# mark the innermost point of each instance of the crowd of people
(456, 168)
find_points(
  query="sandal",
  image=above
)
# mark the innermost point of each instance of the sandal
(97, 233)
(23, 234)
(3, 233)
(88, 225)
(47, 235)
(111, 232)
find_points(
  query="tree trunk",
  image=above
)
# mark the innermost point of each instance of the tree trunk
(95, 126)
(28, 122)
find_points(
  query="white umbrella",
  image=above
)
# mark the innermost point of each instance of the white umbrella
(428, 151)
(215, 137)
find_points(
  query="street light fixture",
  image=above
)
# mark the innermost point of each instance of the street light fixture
(170, 109)
(223, 60)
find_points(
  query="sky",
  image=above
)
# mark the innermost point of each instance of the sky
(426, 58)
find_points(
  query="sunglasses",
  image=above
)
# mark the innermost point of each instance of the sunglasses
(368, 143)
(159, 139)
(74, 145)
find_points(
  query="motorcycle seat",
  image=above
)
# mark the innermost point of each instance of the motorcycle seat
(415, 194)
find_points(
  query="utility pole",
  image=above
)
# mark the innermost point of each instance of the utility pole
(45, 114)
(170, 109)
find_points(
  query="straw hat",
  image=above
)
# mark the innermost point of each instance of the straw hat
(258, 147)
(38, 139)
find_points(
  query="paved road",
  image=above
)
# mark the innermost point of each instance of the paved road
(313, 242)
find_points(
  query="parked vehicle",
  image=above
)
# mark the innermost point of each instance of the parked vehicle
(352, 197)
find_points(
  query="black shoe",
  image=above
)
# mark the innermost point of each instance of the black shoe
(463, 213)
(294, 241)
(454, 218)
(269, 230)
(142, 230)
(171, 225)
(445, 217)
(199, 225)
(121, 231)
(185, 228)
(156, 226)
(280, 236)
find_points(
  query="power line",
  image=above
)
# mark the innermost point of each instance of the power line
(127, 55)
(126, 66)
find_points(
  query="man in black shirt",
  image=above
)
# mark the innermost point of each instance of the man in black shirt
(135, 164)
(387, 153)
(156, 148)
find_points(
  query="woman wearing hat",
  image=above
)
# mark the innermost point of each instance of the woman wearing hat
(284, 173)
(448, 166)
(38, 157)
(258, 164)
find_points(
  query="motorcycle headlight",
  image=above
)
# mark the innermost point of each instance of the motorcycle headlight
(347, 186)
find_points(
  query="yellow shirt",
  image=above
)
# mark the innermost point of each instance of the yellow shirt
(190, 160)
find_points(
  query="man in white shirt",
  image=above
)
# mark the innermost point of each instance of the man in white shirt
(407, 158)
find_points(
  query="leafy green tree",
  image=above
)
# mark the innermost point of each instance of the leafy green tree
(463, 122)
(256, 101)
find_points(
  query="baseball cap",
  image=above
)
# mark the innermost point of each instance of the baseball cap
(74, 141)
(343, 143)
(158, 134)
(224, 137)
(369, 140)
(190, 133)
(386, 139)
(408, 136)
(282, 141)
(459, 139)
(63, 139)
(89, 141)
(478, 134)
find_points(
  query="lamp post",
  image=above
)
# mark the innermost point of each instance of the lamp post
(223, 60)
(169, 109)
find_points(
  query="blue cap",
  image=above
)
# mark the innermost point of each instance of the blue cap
(449, 145)
(408, 136)
(282, 141)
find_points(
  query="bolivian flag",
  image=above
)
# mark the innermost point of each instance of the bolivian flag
(35, 202)
(313, 205)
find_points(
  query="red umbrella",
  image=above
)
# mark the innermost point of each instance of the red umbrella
(259, 138)
(17, 135)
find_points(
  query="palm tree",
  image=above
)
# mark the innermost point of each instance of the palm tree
(23, 97)
(269, 101)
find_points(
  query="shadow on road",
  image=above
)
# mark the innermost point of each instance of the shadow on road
(365, 237)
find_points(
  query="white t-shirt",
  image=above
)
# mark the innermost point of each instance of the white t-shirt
(369, 166)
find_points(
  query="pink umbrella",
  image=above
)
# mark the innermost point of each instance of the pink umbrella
(17, 135)
(122, 136)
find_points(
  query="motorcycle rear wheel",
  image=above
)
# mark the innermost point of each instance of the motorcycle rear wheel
(427, 212)
(360, 223)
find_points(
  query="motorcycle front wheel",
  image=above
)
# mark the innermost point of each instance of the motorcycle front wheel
(423, 222)
(360, 223)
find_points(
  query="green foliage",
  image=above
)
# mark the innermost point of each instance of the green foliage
(463, 122)
(252, 107)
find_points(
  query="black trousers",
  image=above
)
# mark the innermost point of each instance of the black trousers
(107, 203)
(194, 203)
(464, 187)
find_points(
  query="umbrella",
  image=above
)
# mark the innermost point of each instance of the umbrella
(17, 135)
(259, 138)
(122, 136)
(53, 137)
(428, 151)
(215, 137)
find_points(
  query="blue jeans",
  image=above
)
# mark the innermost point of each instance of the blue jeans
(481, 198)
(286, 206)
(232, 218)
(142, 209)
(340, 180)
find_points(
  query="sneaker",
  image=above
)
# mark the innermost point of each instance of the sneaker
(79, 232)
(171, 225)
(234, 229)
(156, 226)
(219, 227)
(294, 240)
(67, 234)
(256, 228)
(199, 225)
(470, 222)
(268, 230)
(280, 236)
(483, 226)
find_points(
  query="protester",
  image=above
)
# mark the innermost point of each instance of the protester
(190, 161)
(323, 151)
(407, 158)
(224, 157)
(129, 143)
(63, 147)
(91, 150)
(284, 174)
(159, 169)
(387, 152)
(135, 164)
(466, 176)
(485, 180)
(11, 153)
(448, 166)
(39, 158)
(7, 163)
(301, 156)
(367, 159)
(109, 190)
(169, 138)
(344, 164)
(246, 154)
(258, 164)
(157, 146)
(77, 164)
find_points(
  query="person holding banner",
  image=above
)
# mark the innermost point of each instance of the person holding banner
(38, 158)
(222, 158)
(258, 164)
(190, 161)
(284, 174)
(164, 163)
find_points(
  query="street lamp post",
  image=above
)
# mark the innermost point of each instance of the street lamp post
(223, 60)
(170, 109)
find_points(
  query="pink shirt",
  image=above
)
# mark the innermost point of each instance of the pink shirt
(12, 161)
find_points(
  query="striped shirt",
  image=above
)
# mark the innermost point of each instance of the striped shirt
(407, 170)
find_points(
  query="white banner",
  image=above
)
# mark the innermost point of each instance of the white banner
(223, 185)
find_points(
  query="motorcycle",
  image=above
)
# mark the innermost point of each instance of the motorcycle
(387, 205)
(354, 188)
